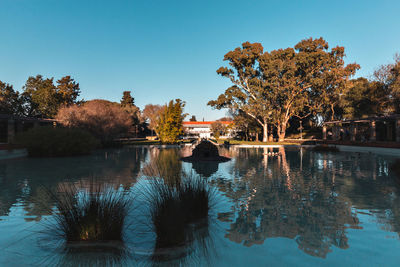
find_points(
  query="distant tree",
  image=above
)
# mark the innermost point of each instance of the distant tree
(128, 104)
(218, 129)
(127, 99)
(68, 90)
(364, 98)
(170, 123)
(152, 114)
(389, 76)
(103, 119)
(193, 118)
(225, 119)
(10, 100)
(41, 98)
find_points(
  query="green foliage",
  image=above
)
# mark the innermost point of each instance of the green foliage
(170, 121)
(272, 87)
(43, 98)
(128, 104)
(56, 142)
(364, 98)
(10, 100)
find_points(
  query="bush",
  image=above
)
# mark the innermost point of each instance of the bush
(56, 142)
(103, 119)
(92, 214)
(325, 148)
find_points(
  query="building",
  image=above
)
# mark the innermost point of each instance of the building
(202, 129)
(12, 125)
(372, 129)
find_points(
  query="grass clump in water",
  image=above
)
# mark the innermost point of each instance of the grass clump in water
(325, 148)
(175, 209)
(92, 214)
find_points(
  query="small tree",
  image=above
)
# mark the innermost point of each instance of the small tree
(218, 129)
(193, 118)
(152, 113)
(170, 123)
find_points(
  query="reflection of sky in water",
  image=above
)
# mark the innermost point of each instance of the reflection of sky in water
(292, 208)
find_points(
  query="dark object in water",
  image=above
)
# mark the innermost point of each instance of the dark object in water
(205, 151)
(325, 148)
(90, 214)
(395, 167)
(175, 210)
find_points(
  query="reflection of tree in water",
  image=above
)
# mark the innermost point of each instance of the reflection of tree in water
(279, 200)
(25, 180)
(164, 163)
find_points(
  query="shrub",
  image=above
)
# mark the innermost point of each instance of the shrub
(103, 119)
(92, 214)
(325, 148)
(57, 142)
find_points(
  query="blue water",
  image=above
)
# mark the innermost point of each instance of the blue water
(297, 208)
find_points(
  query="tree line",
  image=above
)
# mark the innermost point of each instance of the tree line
(271, 90)
(106, 120)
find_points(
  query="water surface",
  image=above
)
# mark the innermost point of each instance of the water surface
(296, 208)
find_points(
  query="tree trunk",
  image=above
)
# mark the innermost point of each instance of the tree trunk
(281, 132)
(265, 132)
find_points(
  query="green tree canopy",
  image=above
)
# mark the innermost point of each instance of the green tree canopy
(170, 123)
(10, 100)
(272, 87)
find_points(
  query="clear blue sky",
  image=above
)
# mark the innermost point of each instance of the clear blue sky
(169, 49)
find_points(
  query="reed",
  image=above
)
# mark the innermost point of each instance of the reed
(90, 214)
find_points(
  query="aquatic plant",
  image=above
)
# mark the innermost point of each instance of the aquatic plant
(325, 148)
(174, 208)
(90, 214)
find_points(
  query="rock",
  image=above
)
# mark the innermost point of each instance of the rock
(205, 151)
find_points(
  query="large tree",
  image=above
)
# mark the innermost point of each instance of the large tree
(273, 87)
(248, 92)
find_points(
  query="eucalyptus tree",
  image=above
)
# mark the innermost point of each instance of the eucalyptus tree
(248, 93)
(273, 87)
(304, 80)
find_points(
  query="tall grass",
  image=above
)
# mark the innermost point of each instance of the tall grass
(90, 214)
(175, 209)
